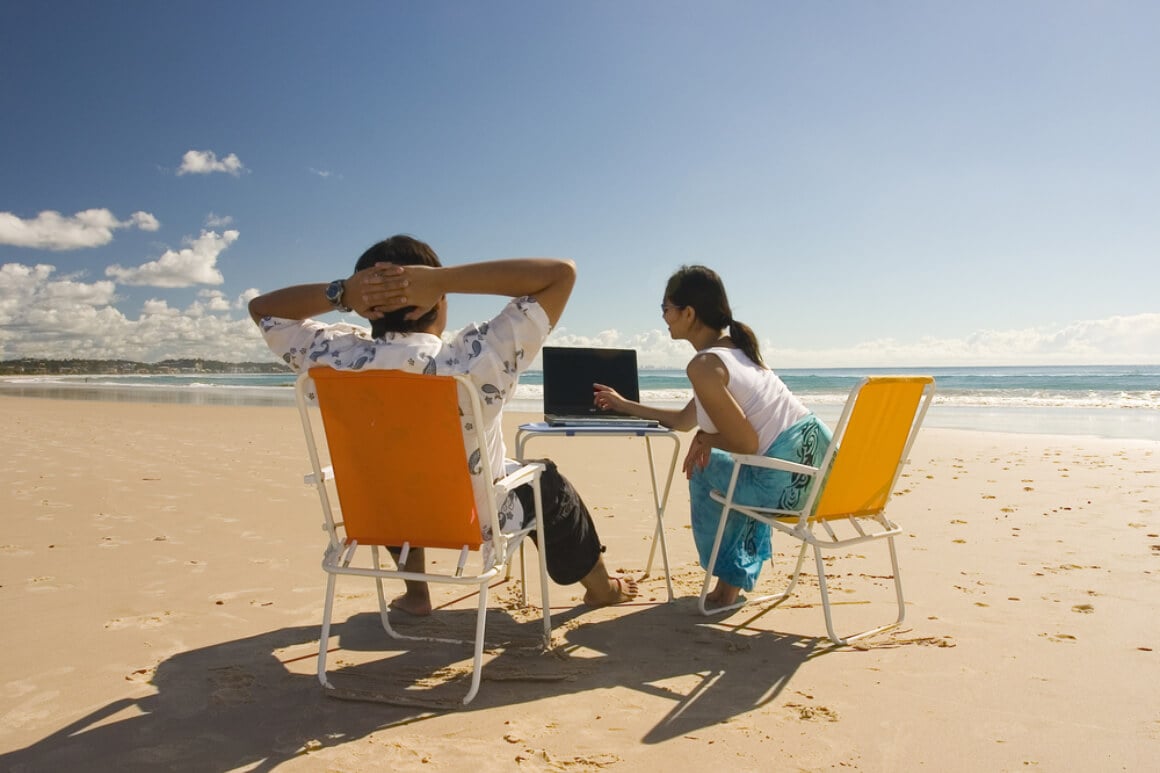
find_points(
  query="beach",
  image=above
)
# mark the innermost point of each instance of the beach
(159, 574)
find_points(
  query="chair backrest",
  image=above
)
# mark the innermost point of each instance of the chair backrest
(871, 443)
(400, 468)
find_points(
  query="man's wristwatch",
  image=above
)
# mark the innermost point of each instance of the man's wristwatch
(334, 292)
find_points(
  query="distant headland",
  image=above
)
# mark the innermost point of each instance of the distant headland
(32, 367)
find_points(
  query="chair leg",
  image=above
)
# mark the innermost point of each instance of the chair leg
(709, 570)
(324, 635)
(772, 598)
(821, 569)
(480, 625)
(897, 581)
(523, 576)
(826, 598)
(545, 605)
(383, 607)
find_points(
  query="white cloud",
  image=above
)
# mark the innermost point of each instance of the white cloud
(323, 173)
(209, 302)
(214, 300)
(654, 348)
(243, 301)
(43, 314)
(207, 162)
(1121, 340)
(196, 264)
(155, 307)
(218, 221)
(53, 231)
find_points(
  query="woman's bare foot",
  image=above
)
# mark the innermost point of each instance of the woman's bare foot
(617, 591)
(723, 594)
(413, 602)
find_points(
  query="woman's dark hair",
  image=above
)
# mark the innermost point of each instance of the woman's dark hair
(402, 251)
(701, 288)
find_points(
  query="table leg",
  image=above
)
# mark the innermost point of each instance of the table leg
(660, 501)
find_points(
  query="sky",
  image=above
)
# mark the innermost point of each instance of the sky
(889, 183)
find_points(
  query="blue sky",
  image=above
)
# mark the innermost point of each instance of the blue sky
(879, 183)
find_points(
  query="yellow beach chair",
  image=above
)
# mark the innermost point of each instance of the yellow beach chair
(847, 503)
(400, 470)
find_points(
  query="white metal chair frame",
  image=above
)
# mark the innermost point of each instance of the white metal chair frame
(340, 554)
(801, 524)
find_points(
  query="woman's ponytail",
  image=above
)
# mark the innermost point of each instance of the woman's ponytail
(746, 341)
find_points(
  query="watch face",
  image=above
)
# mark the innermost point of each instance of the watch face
(334, 292)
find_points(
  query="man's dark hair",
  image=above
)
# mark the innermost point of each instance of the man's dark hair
(402, 251)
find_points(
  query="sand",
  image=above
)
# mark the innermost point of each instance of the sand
(161, 593)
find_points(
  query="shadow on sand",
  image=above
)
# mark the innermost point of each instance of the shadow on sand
(256, 702)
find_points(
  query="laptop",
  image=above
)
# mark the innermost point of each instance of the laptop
(570, 372)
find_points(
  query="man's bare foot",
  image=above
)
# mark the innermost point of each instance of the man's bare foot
(415, 604)
(618, 591)
(723, 594)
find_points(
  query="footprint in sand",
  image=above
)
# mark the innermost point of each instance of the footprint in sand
(142, 675)
(141, 621)
(813, 713)
(45, 583)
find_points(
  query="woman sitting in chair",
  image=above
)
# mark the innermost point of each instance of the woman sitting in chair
(739, 405)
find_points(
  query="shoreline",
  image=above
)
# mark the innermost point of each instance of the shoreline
(1102, 423)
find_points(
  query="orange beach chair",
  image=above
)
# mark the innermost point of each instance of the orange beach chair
(399, 467)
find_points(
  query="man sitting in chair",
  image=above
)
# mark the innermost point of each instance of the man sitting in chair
(401, 286)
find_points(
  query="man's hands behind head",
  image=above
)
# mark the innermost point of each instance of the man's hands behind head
(386, 287)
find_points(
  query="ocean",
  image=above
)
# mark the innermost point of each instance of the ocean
(1103, 401)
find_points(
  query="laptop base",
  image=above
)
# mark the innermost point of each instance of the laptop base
(599, 421)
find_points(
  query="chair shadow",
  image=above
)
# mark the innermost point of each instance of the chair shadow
(710, 669)
(246, 702)
(220, 707)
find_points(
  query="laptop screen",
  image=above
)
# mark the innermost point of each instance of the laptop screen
(569, 373)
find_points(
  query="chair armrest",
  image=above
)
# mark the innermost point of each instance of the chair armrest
(525, 474)
(753, 460)
(327, 474)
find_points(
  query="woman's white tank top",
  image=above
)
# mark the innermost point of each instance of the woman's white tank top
(767, 403)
